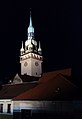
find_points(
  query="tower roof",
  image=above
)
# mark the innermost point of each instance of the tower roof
(30, 24)
(30, 28)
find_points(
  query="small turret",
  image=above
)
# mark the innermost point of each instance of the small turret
(39, 49)
(22, 49)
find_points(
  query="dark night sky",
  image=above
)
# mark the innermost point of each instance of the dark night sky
(58, 25)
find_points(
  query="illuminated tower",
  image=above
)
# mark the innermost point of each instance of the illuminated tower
(31, 56)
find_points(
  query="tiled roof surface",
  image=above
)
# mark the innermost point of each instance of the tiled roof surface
(9, 91)
(50, 86)
(49, 75)
(57, 86)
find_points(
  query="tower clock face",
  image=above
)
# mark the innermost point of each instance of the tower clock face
(25, 64)
(36, 63)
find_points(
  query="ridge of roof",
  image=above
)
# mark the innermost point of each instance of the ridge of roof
(66, 79)
(68, 70)
(52, 74)
(12, 84)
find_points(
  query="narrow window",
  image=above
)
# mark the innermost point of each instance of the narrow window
(1, 108)
(9, 108)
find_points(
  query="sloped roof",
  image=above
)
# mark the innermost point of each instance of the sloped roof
(49, 75)
(50, 86)
(56, 87)
(9, 91)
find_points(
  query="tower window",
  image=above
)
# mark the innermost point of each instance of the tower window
(1, 108)
(25, 73)
(25, 64)
(36, 63)
(36, 73)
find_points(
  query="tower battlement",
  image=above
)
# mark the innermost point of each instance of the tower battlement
(31, 55)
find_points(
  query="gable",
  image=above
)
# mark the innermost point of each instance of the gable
(17, 79)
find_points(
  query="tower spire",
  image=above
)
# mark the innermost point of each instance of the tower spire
(30, 20)
(30, 32)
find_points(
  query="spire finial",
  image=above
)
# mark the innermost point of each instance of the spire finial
(30, 18)
(30, 32)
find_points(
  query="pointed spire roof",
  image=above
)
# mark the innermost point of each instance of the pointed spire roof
(30, 20)
(30, 28)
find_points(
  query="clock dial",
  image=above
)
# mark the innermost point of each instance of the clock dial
(25, 64)
(36, 63)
